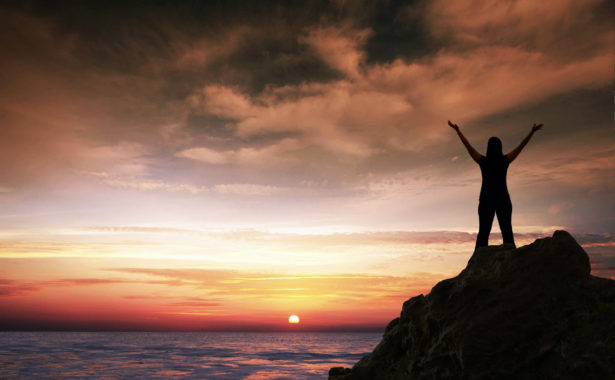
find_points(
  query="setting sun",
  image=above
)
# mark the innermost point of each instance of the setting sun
(293, 319)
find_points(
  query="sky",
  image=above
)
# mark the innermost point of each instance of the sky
(222, 165)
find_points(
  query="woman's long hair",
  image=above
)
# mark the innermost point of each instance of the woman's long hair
(494, 148)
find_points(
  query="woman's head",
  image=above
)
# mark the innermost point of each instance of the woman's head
(494, 147)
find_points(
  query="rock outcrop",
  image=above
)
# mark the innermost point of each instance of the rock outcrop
(533, 312)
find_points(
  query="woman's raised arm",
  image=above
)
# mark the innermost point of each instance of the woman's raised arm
(515, 152)
(473, 152)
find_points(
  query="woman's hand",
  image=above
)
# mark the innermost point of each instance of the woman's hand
(515, 152)
(473, 152)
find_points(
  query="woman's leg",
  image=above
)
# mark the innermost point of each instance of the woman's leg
(486, 212)
(504, 212)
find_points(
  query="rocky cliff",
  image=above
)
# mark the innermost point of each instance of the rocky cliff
(533, 312)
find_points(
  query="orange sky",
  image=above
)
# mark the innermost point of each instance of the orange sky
(223, 166)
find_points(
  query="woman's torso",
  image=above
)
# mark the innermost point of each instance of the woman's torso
(493, 170)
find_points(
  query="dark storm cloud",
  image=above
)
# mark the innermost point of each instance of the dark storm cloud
(137, 37)
(129, 37)
(567, 29)
(399, 31)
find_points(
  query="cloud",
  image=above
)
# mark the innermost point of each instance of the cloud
(246, 189)
(10, 288)
(276, 154)
(206, 155)
(335, 117)
(142, 184)
(340, 48)
(85, 282)
(36, 248)
(65, 116)
(124, 158)
(589, 239)
(137, 229)
(602, 258)
(232, 283)
(194, 304)
(530, 25)
(284, 93)
(403, 241)
(207, 50)
(595, 166)
(401, 105)
(559, 207)
(358, 239)
(209, 275)
(178, 302)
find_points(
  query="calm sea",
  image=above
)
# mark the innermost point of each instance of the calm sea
(206, 355)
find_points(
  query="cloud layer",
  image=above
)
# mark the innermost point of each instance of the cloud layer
(291, 152)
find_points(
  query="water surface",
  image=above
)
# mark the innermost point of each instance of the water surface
(203, 355)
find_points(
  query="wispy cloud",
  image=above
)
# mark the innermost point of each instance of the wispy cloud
(137, 229)
(559, 207)
(10, 288)
(230, 284)
(143, 184)
(275, 154)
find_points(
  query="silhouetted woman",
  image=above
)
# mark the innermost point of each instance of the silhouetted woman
(494, 198)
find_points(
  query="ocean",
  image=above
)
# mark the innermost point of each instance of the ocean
(192, 355)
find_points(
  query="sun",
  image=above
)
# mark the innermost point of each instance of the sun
(293, 319)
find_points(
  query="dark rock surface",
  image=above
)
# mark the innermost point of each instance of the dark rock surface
(533, 312)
